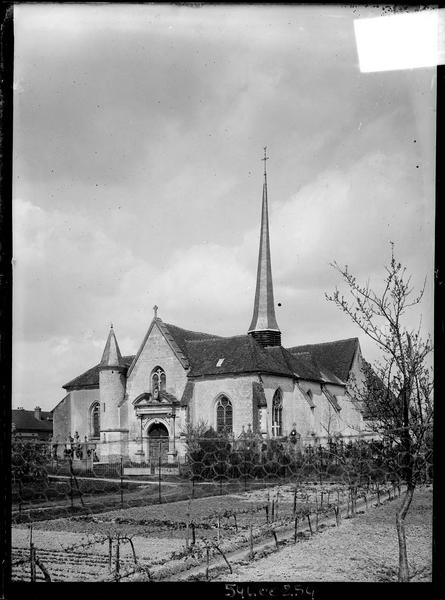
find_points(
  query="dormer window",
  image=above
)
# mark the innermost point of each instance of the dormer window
(220, 362)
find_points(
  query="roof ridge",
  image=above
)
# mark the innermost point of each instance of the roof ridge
(218, 338)
(191, 330)
(324, 343)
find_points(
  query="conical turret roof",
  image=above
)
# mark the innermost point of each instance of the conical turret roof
(111, 356)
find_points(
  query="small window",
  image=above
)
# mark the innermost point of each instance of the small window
(158, 380)
(277, 414)
(95, 420)
(220, 362)
(224, 415)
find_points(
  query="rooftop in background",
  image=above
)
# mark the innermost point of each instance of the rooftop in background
(25, 423)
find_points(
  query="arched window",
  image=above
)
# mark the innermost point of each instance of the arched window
(277, 414)
(95, 420)
(224, 415)
(158, 380)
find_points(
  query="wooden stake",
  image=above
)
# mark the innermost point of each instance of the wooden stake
(310, 524)
(207, 562)
(275, 537)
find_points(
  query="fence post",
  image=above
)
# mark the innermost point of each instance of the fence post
(159, 474)
(207, 561)
(122, 483)
(71, 482)
(31, 556)
(310, 524)
(116, 575)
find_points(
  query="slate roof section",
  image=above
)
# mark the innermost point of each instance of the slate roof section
(328, 362)
(302, 365)
(182, 336)
(241, 353)
(25, 420)
(90, 379)
(335, 356)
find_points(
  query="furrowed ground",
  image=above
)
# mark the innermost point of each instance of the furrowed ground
(362, 549)
(169, 535)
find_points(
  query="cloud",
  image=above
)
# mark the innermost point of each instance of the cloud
(138, 137)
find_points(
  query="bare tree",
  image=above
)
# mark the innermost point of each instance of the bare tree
(397, 395)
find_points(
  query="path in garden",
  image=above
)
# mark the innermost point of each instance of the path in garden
(361, 549)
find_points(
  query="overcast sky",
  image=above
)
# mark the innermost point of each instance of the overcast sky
(138, 135)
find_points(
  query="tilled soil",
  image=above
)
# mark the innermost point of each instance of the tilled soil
(363, 549)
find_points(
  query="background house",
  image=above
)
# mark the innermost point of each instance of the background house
(32, 424)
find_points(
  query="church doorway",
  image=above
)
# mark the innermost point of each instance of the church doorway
(158, 443)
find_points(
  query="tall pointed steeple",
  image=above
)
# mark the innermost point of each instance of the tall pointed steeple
(264, 327)
(112, 355)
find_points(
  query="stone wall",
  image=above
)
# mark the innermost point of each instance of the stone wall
(238, 390)
(156, 352)
(62, 419)
(73, 414)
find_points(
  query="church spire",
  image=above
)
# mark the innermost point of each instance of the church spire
(264, 327)
(112, 355)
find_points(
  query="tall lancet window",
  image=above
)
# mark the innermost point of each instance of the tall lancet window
(277, 414)
(224, 415)
(158, 381)
(95, 420)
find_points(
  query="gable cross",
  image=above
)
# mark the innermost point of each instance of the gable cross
(155, 308)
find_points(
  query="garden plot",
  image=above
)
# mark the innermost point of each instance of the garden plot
(166, 536)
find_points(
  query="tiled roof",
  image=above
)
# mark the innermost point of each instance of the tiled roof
(302, 364)
(182, 336)
(91, 377)
(335, 356)
(25, 419)
(330, 361)
(241, 354)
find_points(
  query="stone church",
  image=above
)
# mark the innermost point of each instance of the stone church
(139, 406)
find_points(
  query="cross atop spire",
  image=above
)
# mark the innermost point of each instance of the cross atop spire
(264, 327)
(155, 310)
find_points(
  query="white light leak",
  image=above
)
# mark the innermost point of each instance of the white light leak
(404, 41)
